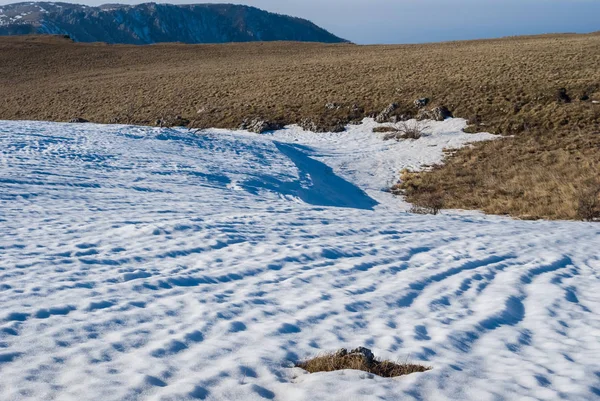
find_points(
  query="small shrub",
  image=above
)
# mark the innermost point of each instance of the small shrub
(428, 203)
(588, 206)
(412, 130)
(341, 360)
(405, 130)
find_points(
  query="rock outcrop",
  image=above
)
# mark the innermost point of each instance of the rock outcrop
(154, 23)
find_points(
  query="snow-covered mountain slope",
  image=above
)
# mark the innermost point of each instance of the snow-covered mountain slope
(158, 264)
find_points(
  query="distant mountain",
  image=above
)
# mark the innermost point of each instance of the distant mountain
(154, 23)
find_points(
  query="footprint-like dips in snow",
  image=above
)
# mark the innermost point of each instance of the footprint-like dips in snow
(158, 264)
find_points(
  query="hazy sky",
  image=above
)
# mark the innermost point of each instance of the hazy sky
(413, 21)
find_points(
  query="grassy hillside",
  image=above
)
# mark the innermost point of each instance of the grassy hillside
(549, 160)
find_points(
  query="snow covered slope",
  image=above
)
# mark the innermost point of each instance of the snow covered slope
(157, 264)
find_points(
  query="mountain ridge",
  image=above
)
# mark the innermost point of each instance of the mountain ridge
(149, 23)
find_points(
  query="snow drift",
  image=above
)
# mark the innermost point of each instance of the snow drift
(159, 264)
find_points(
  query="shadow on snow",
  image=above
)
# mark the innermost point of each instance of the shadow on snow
(318, 184)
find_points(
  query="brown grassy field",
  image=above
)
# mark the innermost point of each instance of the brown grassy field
(551, 154)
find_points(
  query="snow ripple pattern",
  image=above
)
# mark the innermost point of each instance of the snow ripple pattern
(157, 264)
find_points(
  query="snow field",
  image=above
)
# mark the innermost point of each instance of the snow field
(160, 264)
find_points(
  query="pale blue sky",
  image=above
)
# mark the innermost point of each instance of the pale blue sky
(414, 21)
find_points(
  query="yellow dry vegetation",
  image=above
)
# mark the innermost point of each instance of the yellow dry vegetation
(511, 86)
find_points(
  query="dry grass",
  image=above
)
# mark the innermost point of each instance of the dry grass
(509, 86)
(526, 176)
(424, 194)
(409, 130)
(588, 207)
(385, 129)
(330, 362)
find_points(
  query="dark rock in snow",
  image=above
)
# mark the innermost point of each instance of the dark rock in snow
(78, 120)
(338, 127)
(259, 126)
(308, 124)
(399, 118)
(420, 103)
(176, 121)
(342, 352)
(363, 352)
(438, 114)
(386, 113)
(441, 113)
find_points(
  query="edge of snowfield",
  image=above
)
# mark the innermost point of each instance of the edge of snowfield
(140, 263)
(365, 159)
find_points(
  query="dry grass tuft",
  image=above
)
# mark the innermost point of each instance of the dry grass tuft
(428, 203)
(384, 129)
(588, 207)
(403, 130)
(422, 192)
(333, 361)
(412, 130)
